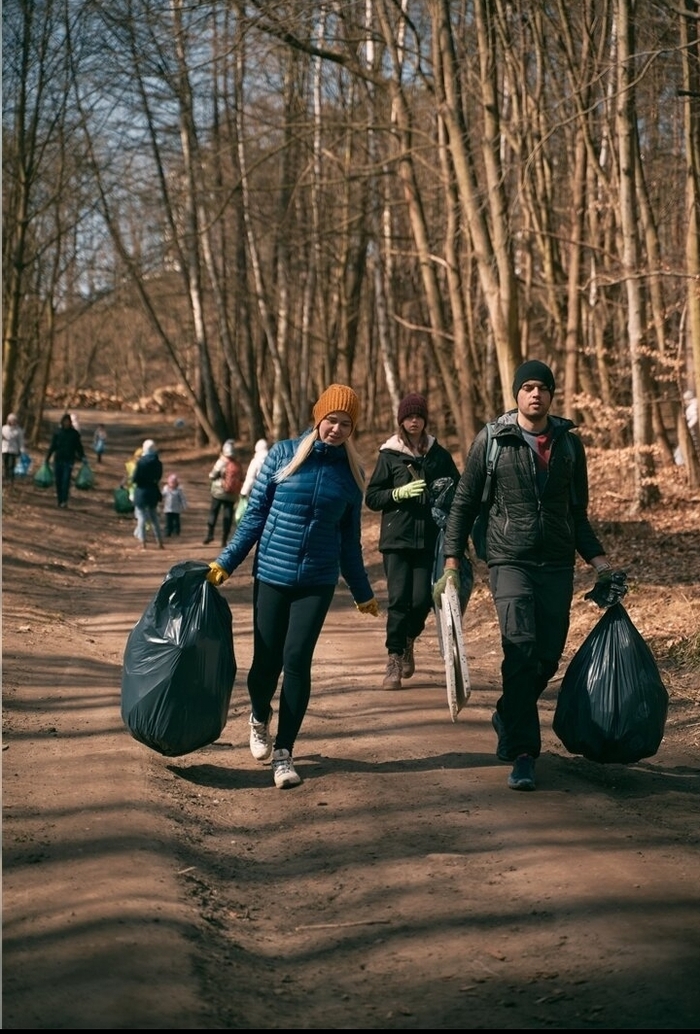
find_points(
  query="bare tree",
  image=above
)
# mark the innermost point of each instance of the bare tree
(41, 195)
(646, 488)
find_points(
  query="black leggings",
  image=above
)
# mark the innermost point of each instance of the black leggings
(286, 625)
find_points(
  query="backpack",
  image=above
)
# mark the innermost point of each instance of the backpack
(493, 448)
(232, 477)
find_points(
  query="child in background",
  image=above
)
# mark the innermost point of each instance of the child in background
(174, 503)
(99, 441)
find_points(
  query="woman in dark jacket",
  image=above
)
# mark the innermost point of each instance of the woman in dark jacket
(304, 517)
(408, 464)
(66, 448)
(147, 495)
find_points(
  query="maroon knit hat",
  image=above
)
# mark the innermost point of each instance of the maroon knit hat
(412, 405)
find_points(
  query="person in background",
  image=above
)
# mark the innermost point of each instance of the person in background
(129, 468)
(221, 499)
(303, 516)
(690, 403)
(99, 441)
(174, 503)
(12, 446)
(147, 495)
(537, 523)
(75, 421)
(409, 462)
(66, 448)
(254, 468)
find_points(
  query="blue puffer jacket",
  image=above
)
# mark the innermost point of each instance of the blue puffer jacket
(307, 527)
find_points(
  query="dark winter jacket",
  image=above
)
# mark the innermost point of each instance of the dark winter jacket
(66, 446)
(407, 524)
(524, 526)
(147, 474)
(307, 526)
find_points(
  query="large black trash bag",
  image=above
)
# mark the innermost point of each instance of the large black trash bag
(179, 664)
(612, 703)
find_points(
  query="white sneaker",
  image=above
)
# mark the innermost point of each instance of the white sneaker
(260, 739)
(283, 770)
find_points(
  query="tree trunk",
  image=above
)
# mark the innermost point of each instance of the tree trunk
(646, 485)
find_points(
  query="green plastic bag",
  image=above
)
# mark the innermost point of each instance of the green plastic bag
(44, 476)
(122, 502)
(85, 477)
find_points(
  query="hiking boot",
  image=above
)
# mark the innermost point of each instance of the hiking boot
(392, 679)
(408, 664)
(283, 770)
(209, 537)
(260, 739)
(523, 775)
(497, 723)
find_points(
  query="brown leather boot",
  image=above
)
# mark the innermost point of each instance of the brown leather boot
(392, 679)
(408, 664)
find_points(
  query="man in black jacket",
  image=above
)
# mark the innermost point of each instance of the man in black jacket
(66, 447)
(537, 523)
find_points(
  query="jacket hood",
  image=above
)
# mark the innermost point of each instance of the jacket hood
(397, 444)
(509, 421)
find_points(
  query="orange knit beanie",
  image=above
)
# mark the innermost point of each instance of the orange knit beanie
(338, 398)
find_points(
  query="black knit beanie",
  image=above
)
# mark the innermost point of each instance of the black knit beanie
(412, 405)
(533, 370)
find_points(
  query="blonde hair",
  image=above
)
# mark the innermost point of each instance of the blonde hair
(306, 445)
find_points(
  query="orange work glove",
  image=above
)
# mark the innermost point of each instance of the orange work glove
(216, 574)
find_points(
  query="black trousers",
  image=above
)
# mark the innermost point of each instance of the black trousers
(62, 474)
(226, 507)
(533, 606)
(286, 625)
(9, 460)
(409, 591)
(172, 524)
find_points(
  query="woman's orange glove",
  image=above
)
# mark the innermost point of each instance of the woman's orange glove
(216, 574)
(370, 607)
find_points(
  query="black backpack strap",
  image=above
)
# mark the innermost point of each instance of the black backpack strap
(492, 449)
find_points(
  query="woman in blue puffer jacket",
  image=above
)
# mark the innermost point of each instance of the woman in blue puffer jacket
(304, 515)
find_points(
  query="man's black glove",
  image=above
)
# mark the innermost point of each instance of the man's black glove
(609, 588)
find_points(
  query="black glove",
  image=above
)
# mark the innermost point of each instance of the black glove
(609, 588)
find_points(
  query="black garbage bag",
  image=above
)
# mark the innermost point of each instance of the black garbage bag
(179, 664)
(612, 703)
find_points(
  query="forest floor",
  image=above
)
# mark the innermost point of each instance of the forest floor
(402, 885)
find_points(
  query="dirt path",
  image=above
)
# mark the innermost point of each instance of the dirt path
(402, 886)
